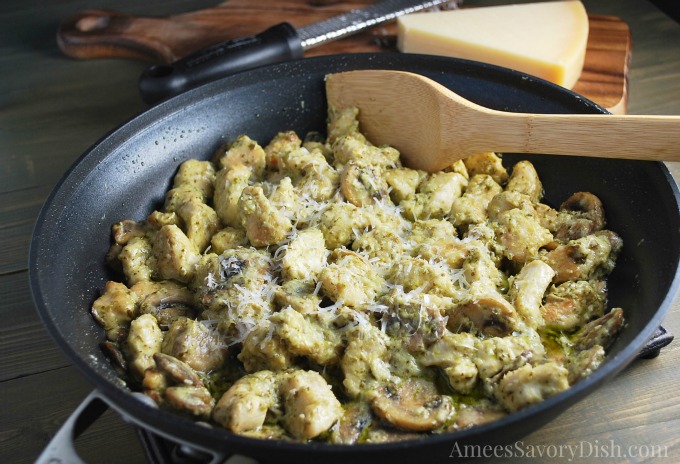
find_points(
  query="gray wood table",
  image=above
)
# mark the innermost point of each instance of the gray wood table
(53, 108)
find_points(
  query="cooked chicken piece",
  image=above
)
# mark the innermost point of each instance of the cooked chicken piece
(195, 401)
(194, 343)
(380, 244)
(197, 174)
(229, 185)
(176, 256)
(310, 406)
(417, 273)
(486, 163)
(264, 349)
(350, 279)
(181, 194)
(115, 309)
(520, 235)
(227, 238)
(200, 222)
(580, 215)
(527, 291)
(403, 182)
(305, 336)
(588, 257)
(529, 385)
(524, 179)
(480, 271)
(508, 200)
(435, 196)
(342, 121)
(264, 224)
(243, 151)
(431, 231)
(365, 361)
(470, 208)
(497, 355)
(416, 319)
(143, 341)
(299, 294)
(452, 353)
(235, 287)
(572, 304)
(355, 147)
(158, 219)
(278, 148)
(412, 405)
(305, 256)
(339, 222)
(137, 260)
(361, 185)
(583, 363)
(321, 180)
(244, 407)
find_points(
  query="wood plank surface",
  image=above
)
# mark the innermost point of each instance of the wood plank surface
(107, 34)
(53, 108)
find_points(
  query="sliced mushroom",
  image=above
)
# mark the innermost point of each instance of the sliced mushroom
(167, 301)
(353, 424)
(195, 401)
(582, 214)
(602, 331)
(176, 371)
(413, 405)
(488, 314)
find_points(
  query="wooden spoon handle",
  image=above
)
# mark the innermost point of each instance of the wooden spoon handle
(654, 138)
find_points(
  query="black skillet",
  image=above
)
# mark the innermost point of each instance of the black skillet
(126, 174)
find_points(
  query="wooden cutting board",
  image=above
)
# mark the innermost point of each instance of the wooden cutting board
(112, 34)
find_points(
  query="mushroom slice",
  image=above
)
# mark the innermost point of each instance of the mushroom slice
(195, 401)
(601, 331)
(414, 405)
(177, 371)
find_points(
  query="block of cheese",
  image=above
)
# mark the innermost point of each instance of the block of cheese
(546, 39)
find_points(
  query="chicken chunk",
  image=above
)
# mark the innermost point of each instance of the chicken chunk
(194, 343)
(244, 407)
(529, 385)
(229, 185)
(264, 224)
(365, 362)
(310, 406)
(176, 256)
(115, 309)
(350, 279)
(243, 151)
(305, 256)
(143, 342)
(527, 291)
(305, 336)
(200, 223)
(435, 196)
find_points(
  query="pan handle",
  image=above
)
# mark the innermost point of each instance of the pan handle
(61, 447)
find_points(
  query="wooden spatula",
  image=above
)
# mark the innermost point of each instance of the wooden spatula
(433, 127)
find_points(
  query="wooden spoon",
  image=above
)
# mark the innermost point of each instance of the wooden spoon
(433, 127)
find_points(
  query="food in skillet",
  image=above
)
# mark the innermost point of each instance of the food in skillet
(317, 290)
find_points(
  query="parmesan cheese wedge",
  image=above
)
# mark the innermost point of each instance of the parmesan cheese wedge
(545, 39)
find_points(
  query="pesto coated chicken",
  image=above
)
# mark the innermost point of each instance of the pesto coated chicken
(318, 290)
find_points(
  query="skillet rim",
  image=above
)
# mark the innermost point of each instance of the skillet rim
(544, 411)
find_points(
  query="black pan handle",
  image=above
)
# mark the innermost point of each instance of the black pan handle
(275, 45)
